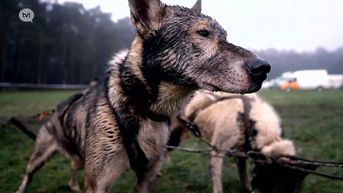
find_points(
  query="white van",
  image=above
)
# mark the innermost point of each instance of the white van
(335, 81)
(312, 79)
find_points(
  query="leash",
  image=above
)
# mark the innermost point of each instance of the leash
(247, 123)
(195, 131)
(283, 161)
(14, 121)
(291, 162)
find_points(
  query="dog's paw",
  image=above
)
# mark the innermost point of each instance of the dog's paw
(74, 186)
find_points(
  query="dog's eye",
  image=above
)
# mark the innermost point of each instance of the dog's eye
(203, 33)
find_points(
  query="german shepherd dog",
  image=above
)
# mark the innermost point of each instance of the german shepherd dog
(122, 122)
(51, 139)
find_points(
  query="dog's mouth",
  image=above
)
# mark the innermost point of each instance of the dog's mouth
(256, 83)
(273, 178)
(253, 86)
(209, 87)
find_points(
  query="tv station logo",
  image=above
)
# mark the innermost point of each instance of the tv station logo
(26, 15)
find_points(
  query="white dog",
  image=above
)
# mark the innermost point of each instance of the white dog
(221, 118)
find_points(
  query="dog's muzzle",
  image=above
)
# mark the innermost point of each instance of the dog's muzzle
(258, 69)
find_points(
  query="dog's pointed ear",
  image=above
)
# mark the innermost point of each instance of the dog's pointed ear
(147, 15)
(197, 6)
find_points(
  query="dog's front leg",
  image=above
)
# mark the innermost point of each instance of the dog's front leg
(147, 178)
(244, 175)
(75, 164)
(216, 167)
(102, 168)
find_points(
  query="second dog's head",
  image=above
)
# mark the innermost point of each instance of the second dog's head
(185, 47)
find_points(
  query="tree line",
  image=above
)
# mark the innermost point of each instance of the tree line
(65, 43)
(68, 44)
(283, 61)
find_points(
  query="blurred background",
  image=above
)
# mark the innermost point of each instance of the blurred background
(70, 42)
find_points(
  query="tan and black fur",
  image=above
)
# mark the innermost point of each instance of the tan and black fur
(52, 138)
(122, 122)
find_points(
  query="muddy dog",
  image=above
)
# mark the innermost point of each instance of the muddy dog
(231, 121)
(51, 139)
(122, 122)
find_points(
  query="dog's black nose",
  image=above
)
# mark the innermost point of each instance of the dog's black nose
(258, 67)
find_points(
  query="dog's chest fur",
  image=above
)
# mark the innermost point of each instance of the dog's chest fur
(127, 114)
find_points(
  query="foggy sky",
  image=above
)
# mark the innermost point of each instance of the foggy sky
(301, 25)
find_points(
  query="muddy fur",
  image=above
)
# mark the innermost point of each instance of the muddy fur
(221, 124)
(51, 139)
(122, 122)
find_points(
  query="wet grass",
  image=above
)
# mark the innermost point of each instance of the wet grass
(314, 120)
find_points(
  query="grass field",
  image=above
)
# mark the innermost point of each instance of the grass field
(314, 120)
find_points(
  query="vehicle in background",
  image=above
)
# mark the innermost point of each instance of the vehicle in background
(289, 85)
(267, 84)
(274, 83)
(335, 81)
(318, 79)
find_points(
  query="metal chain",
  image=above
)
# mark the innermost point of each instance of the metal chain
(258, 157)
(291, 162)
